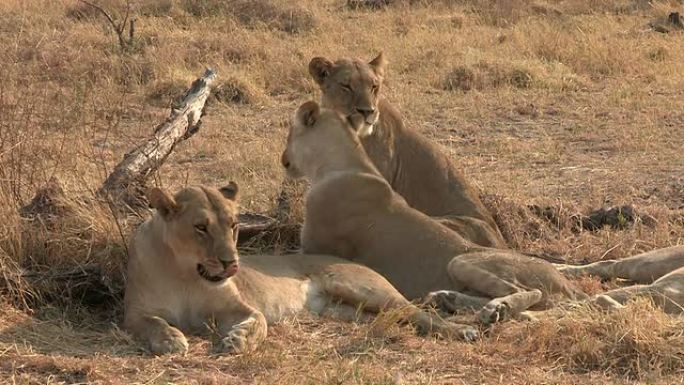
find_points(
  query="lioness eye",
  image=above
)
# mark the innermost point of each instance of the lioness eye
(346, 87)
(374, 88)
(201, 228)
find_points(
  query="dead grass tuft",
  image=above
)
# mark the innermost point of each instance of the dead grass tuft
(155, 8)
(370, 4)
(134, 71)
(290, 19)
(639, 341)
(460, 78)
(238, 90)
(83, 12)
(658, 54)
(163, 93)
(485, 75)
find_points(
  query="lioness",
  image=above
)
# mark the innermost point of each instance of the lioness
(415, 167)
(183, 272)
(352, 212)
(658, 274)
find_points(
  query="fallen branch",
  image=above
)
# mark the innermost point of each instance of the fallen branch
(125, 183)
(124, 187)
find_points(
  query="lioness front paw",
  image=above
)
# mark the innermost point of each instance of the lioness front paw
(443, 300)
(527, 317)
(453, 330)
(169, 341)
(494, 312)
(470, 334)
(466, 333)
(607, 303)
(235, 342)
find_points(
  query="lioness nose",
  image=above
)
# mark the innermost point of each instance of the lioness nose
(284, 161)
(225, 263)
(366, 112)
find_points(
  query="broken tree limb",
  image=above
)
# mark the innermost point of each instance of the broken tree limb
(123, 189)
(125, 186)
(125, 183)
(252, 224)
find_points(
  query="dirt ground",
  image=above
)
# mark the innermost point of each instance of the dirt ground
(552, 108)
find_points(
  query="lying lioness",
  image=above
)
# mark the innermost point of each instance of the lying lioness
(352, 212)
(416, 168)
(183, 273)
(658, 274)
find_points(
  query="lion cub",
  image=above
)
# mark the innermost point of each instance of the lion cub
(184, 273)
(352, 212)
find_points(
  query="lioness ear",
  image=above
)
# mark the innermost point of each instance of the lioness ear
(307, 114)
(162, 201)
(230, 191)
(319, 69)
(378, 64)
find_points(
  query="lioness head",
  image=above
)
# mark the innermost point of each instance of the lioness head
(317, 135)
(200, 228)
(351, 87)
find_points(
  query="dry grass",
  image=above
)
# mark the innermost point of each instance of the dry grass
(568, 104)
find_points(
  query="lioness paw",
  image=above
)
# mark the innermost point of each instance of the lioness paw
(170, 341)
(452, 331)
(493, 312)
(607, 303)
(443, 300)
(527, 317)
(245, 336)
(235, 342)
(465, 333)
(469, 334)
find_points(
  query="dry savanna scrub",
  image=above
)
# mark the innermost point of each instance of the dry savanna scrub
(553, 109)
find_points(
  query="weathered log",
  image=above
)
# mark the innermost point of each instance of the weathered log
(125, 183)
(124, 187)
(252, 224)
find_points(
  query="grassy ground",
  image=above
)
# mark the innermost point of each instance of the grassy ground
(570, 104)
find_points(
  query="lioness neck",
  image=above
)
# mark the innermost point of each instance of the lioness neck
(151, 250)
(351, 159)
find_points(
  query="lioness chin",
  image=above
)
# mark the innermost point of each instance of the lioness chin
(352, 212)
(415, 167)
(184, 273)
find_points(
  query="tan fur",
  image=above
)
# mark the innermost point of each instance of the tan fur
(658, 274)
(415, 167)
(352, 212)
(166, 296)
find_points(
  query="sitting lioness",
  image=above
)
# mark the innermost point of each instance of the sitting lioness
(352, 212)
(184, 273)
(415, 167)
(658, 274)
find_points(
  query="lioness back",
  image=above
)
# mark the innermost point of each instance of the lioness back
(420, 171)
